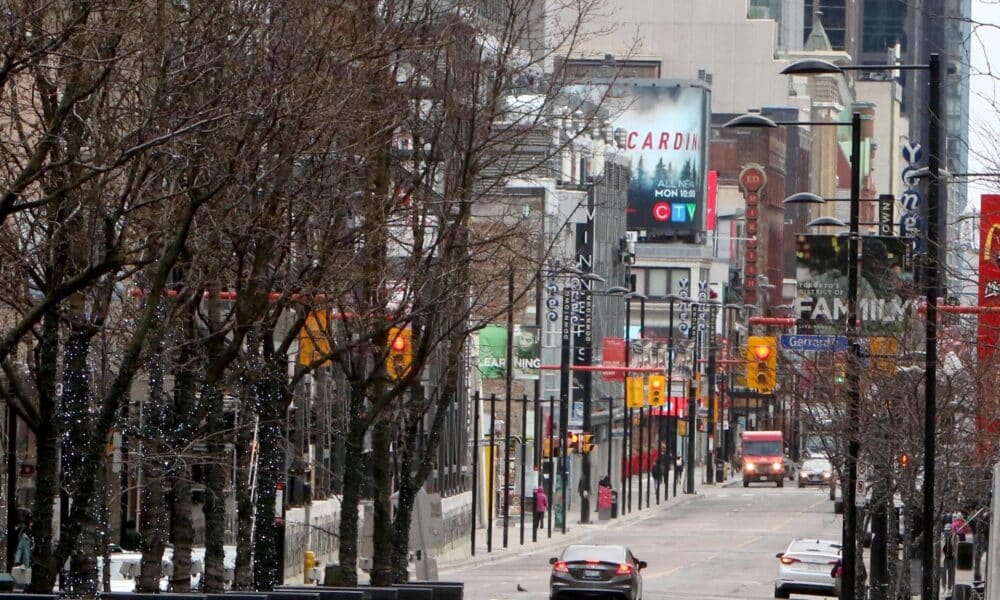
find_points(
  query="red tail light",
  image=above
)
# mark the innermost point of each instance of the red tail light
(788, 560)
(561, 567)
(624, 569)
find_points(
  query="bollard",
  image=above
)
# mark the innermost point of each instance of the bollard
(308, 564)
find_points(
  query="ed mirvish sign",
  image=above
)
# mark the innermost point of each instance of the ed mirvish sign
(666, 142)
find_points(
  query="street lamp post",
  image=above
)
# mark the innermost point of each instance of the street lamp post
(849, 546)
(932, 290)
(672, 442)
(692, 417)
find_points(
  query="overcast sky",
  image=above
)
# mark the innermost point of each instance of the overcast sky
(983, 115)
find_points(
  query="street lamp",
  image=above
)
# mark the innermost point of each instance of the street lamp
(588, 410)
(627, 412)
(932, 283)
(564, 364)
(849, 546)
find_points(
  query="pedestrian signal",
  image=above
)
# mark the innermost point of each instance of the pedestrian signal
(657, 391)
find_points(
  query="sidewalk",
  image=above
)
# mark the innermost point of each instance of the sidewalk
(460, 557)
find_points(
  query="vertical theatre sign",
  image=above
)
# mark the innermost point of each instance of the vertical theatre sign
(753, 179)
(988, 416)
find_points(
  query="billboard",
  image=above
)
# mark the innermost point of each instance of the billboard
(988, 421)
(663, 126)
(885, 285)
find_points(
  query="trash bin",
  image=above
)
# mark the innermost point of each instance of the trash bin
(614, 504)
(720, 471)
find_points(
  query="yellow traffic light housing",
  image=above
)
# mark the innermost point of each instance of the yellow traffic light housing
(586, 445)
(762, 363)
(572, 442)
(400, 353)
(657, 390)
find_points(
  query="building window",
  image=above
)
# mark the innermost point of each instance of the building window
(661, 282)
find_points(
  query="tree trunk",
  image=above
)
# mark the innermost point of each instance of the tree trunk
(381, 574)
(180, 434)
(44, 568)
(77, 401)
(243, 572)
(270, 470)
(153, 522)
(404, 515)
(183, 529)
(215, 494)
(353, 477)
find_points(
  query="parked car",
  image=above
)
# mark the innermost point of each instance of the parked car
(815, 471)
(807, 567)
(584, 570)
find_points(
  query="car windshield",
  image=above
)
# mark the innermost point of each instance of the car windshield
(614, 554)
(762, 448)
(816, 465)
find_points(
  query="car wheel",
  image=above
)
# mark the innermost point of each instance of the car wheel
(780, 593)
(801, 485)
(781, 483)
(746, 483)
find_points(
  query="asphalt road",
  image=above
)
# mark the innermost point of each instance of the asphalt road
(719, 544)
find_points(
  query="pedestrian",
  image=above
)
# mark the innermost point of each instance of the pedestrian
(541, 505)
(22, 555)
(960, 526)
(657, 476)
(605, 481)
(948, 551)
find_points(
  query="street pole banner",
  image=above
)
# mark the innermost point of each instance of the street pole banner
(493, 352)
(613, 355)
(988, 421)
(527, 352)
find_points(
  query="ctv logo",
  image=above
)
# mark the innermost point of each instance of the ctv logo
(675, 213)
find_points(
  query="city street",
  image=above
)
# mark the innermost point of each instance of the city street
(720, 544)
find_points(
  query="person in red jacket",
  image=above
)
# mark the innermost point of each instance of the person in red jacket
(541, 505)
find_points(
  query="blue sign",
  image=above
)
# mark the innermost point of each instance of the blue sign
(911, 199)
(813, 342)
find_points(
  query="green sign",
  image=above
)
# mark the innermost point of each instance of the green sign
(493, 352)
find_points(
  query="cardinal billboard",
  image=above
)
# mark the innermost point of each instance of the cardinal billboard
(662, 126)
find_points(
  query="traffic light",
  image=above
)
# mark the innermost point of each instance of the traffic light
(572, 442)
(762, 363)
(400, 355)
(657, 385)
(586, 445)
(904, 460)
(840, 376)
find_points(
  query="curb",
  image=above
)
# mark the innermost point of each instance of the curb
(558, 540)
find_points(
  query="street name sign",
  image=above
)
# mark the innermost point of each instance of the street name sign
(813, 342)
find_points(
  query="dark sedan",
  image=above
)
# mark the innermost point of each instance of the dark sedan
(596, 571)
(815, 471)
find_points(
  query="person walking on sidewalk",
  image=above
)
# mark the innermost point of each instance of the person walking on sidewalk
(657, 473)
(541, 505)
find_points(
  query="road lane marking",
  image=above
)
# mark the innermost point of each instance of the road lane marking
(708, 558)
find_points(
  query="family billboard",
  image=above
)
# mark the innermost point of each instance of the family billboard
(885, 285)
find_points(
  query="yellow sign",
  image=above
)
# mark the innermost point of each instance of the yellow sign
(682, 428)
(635, 395)
(883, 351)
(314, 339)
